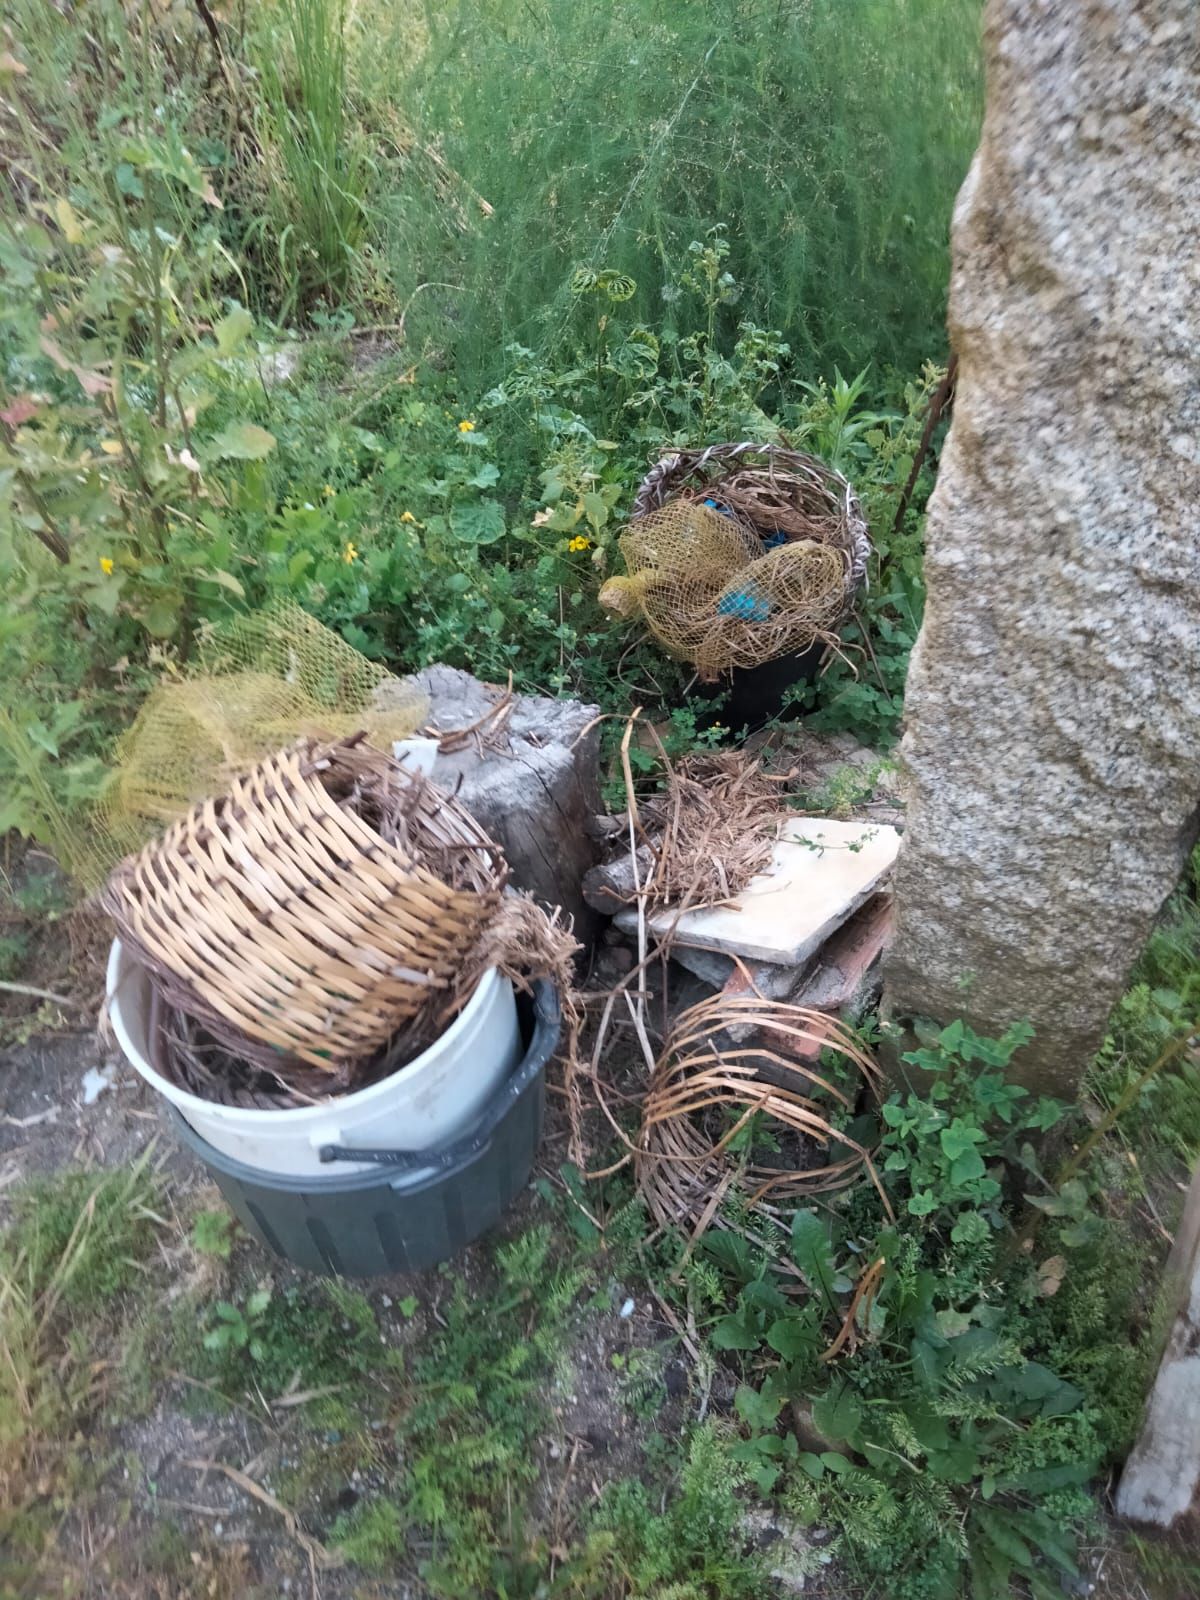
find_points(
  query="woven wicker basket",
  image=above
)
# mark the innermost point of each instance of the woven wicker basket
(326, 901)
(772, 489)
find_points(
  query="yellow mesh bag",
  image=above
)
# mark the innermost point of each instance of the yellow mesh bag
(267, 680)
(709, 594)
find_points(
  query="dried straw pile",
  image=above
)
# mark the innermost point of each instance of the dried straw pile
(712, 828)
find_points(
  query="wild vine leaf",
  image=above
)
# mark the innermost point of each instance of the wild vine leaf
(68, 220)
(952, 1324)
(837, 1415)
(959, 1138)
(794, 1336)
(478, 522)
(735, 1333)
(966, 1167)
(757, 1408)
(161, 617)
(226, 581)
(242, 441)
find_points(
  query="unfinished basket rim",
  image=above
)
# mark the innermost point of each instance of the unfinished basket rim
(705, 467)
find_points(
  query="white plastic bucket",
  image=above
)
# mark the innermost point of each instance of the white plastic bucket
(426, 1103)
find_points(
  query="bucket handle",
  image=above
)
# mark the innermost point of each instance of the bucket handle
(547, 1026)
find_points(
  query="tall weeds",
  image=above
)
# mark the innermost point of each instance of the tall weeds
(319, 168)
(829, 137)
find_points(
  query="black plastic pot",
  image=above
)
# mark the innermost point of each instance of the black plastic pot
(421, 1206)
(757, 695)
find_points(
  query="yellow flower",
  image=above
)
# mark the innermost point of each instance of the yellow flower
(407, 516)
(106, 566)
(579, 543)
(466, 426)
(327, 490)
(350, 553)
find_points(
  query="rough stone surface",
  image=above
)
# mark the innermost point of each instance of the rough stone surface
(786, 1548)
(532, 780)
(772, 981)
(1053, 747)
(1162, 1476)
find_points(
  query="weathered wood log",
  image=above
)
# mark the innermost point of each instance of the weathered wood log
(1162, 1476)
(527, 768)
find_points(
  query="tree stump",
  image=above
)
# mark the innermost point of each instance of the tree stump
(527, 768)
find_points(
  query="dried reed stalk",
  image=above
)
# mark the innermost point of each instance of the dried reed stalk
(714, 827)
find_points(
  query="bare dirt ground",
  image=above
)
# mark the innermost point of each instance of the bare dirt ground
(157, 1504)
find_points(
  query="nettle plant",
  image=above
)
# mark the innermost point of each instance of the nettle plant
(121, 365)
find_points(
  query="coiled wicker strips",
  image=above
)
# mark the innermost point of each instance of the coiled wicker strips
(313, 910)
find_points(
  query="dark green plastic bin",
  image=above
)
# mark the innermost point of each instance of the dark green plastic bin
(368, 1223)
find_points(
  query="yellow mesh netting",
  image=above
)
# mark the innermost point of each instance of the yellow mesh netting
(710, 595)
(265, 681)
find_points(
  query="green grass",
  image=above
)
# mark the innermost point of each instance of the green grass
(422, 1452)
(830, 138)
(317, 216)
(1159, 1004)
(72, 1261)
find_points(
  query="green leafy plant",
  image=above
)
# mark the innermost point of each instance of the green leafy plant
(862, 688)
(694, 1549)
(812, 127)
(469, 1437)
(212, 1234)
(234, 1327)
(941, 1148)
(323, 1336)
(372, 1535)
(930, 1427)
